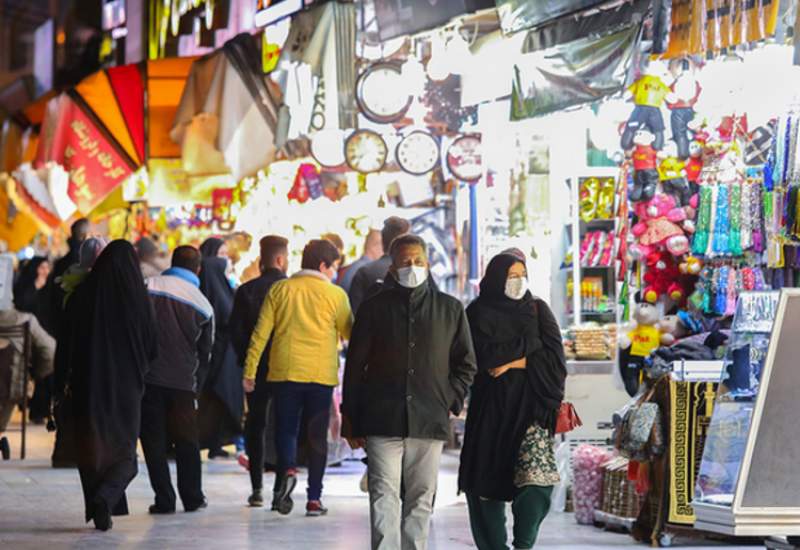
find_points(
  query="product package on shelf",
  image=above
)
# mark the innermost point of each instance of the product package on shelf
(595, 342)
(597, 198)
(597, 249)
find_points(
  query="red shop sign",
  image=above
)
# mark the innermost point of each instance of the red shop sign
(95, 165)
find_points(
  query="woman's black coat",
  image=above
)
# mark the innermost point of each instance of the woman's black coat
(502, 409)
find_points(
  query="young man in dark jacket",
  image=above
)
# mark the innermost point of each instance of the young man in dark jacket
(366, 278)
(409, 364)
(169, 408)
(274, 263)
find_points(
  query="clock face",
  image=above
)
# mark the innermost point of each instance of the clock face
(382, 94)
(327, 147)
(418, 153)
(366, 151)
(464, 158)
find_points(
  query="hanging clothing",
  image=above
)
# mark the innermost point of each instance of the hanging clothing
(222, 397)
(105, 346)
(502, 409)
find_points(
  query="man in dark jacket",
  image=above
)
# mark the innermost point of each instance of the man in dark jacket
(366, 280)
(409, 364)
(169, 407)
(274, 263)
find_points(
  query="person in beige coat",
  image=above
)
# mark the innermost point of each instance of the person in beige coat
(12, 374)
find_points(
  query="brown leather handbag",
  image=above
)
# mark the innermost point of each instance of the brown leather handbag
(568, 418)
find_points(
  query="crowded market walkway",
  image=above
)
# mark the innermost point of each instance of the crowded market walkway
(42, 507)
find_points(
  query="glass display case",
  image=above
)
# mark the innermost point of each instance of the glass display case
(745, 485)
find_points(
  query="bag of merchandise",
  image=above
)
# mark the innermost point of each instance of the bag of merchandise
(559, 500)
(587, 486)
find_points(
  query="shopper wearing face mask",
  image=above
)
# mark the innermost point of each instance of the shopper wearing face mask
(409, 364)
(306, 316)
(508, 444)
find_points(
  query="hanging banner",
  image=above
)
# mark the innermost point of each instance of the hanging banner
(95, 166)
(713, 25)
(517, 15)
(579, 72)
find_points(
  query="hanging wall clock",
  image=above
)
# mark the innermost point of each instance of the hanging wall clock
(418, 153)
(464, 158)
(381, 93)
(327, 147)
(365, 151)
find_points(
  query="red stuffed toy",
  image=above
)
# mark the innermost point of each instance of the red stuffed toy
(661, 278)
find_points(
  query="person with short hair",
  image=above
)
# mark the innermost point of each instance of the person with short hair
(169, 414)
(373, 249)
(274, 263)
(409, 364)
(148, 253)
(305, 316)
(367, 279)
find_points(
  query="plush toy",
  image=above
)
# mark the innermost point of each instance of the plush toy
(648, 94)
(658, 226)
(662, 278)
(678, 326)
(685, 91)
(645, 162)
(637, 340)
(672, 172)
(694, 166)
(691, 265)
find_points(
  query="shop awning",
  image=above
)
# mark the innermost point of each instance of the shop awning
(227, 118)
(112, 123)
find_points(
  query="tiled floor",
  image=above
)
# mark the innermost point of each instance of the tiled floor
(42, 508)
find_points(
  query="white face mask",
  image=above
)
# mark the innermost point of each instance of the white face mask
(516, 287)
(412, 277)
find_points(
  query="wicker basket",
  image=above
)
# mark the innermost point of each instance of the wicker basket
(619, 494)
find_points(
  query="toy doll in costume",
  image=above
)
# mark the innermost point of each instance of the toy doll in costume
(672, 172)
(645, 163)
(648, 95)
(685, 91)
(641, 338)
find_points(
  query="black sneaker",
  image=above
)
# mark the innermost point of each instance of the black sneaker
(155, 510)
(203, 504)
(256, 500)
(5, 448)
(283, 502)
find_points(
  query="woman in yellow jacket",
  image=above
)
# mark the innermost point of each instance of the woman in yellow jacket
(305, 315)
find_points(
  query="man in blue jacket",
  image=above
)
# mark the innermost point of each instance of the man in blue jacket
(169, 407)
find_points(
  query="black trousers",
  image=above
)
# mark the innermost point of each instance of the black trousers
(169, 415)
(259, 433)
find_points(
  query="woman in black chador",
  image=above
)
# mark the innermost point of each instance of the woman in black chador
(106, 345)
(222, 397)
(508, 445)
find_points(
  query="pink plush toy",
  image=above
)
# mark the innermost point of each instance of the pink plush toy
(658, 226)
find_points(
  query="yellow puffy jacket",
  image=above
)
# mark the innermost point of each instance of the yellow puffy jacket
(305, 315)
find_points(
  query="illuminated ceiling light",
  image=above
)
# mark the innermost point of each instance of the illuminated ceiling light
(437, 68)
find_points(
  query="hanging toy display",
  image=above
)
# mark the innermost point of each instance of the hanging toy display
(658, 226)
(645, 162)
(661, 278)
(684, 93)
(648, 94)
(672, 173)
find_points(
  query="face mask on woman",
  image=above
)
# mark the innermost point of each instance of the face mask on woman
(412, 277)
(516, 287)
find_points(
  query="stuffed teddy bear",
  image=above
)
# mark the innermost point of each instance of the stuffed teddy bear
(637, 340)
(645, 163)
(662, 278)
(658, 226)
(678, 326)
(694, 166)
(685, 91)
(648, 94)
(672, 172)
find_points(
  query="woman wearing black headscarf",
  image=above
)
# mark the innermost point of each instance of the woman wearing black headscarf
(30, 297)
(222, 398)
(106, 345)
(508, 446)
